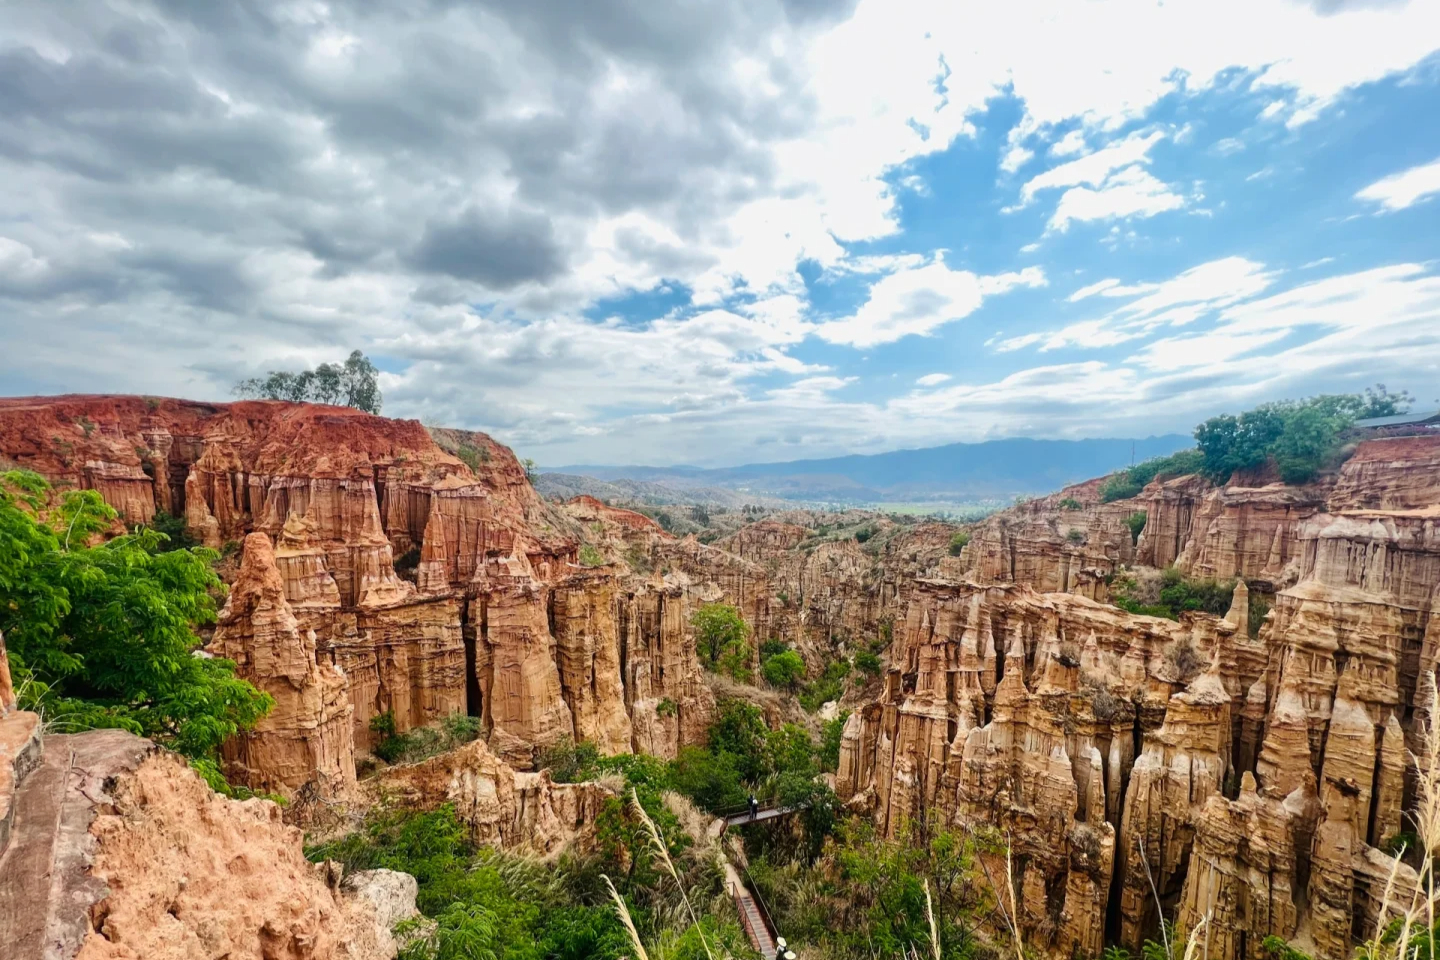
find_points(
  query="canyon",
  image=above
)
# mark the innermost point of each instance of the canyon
(1248, 769)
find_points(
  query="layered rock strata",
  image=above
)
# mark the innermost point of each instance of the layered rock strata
(387, 569)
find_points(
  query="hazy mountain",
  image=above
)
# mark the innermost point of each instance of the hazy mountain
(956, 471)
(627, 492)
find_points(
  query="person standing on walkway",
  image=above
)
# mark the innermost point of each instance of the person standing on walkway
(754, 807)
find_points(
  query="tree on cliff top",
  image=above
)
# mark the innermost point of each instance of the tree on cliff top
(351, 384)
(1300, 436)
(104, 636)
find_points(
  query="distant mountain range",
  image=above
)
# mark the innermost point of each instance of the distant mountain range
(649, 493)
(956, 472)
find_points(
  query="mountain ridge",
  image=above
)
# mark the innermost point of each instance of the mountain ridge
(987, 469)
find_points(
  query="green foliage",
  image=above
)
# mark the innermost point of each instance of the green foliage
(470, 456)
(958, 542)
(1115, 952)
(210, 772)
(865, 894)
(1400, 842)
(721, 638)
(1178, 593)
(570, 762)
(863, 534)
(1136, 523)
(1301, 436)
(173, 529)
(1129, 482)
(488, 904)
(1167, 947)
(666, 708)
(1277, 948)
(104, 636)
(784, 670)
(454, 731)
(739, 729)
(710, 778)
(590, 557)
(830, 736)
(355, 383)
(1259, 608)
(1076, 536)
(868, 662)
(1070, 503)
(830, 685)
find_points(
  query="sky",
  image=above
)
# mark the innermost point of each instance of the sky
(715, 231)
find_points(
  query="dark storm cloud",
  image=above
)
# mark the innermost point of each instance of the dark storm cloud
(500, 251)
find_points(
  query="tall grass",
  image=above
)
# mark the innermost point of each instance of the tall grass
(1403, 911)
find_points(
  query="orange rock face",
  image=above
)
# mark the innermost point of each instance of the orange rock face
(1254, 793)
(307, 735)
(1068, 542)
(386, 568)
(525, 812)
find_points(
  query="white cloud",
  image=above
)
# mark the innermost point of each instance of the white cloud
(1015, 158)
(1132, 192)
(931, 379)
(917, 300)
(1095, 169)
(1404, 189)
(1016, 343)
(1098, 287)
(1069, 145)
(1178, 353)
(713, 150)
(1228, 146)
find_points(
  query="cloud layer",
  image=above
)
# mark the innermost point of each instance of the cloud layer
(615, 230)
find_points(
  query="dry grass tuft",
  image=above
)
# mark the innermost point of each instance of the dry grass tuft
(623, 912)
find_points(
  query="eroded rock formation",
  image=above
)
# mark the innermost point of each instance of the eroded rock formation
(119, 851)
(1254, 793)
(387, 569)
(524, 812)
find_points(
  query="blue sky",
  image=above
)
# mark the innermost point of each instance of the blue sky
(729, 232)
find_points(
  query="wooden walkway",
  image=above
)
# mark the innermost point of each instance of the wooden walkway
(759, 927)
(753, 917)
(743, 817)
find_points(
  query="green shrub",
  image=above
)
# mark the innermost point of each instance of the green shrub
(868, 662)
(830, 736)
(864, 534)
(1301, 436)
(1129, 482)
(177, 537)
(455, 730)
(1136, 523)
(785, 669)
(1177, 594)
(570, 762)
(958, 542)
(773, 646)
(721, 639)
(104, 636)
(1076, 536)
(830, 685)
(590, 557)
(1070, 503)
